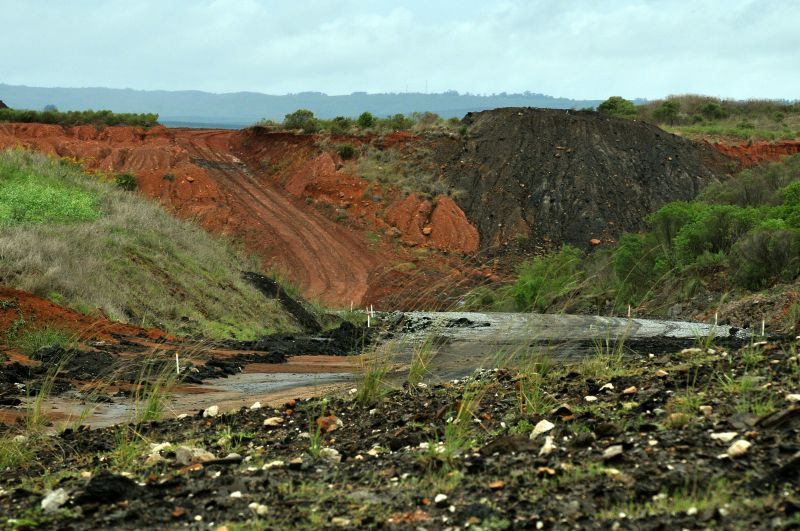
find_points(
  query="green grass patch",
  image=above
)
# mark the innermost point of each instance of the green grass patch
(29, 341)
(29, 196)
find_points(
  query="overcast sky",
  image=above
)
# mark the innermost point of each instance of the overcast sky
(574, 48)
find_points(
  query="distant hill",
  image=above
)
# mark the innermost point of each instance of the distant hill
(195, 108)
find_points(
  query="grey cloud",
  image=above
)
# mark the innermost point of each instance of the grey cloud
(581, 49)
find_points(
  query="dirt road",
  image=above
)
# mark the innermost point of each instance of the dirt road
(329, 262)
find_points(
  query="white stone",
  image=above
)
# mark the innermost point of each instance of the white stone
(692, 351)
(440, 498)
(543, 426)
(607, 387)
(273, 421)
(590, 398)
(739, 448)
(793, 397)
(258, 508)
(273, 464)
(54, 500)
(612, 451)
(726, 436)
(340, 521)
(20, 439)
(691, 511)
(186, 455)
(330, 454)
(236, 494)
(255, 406)
(211, 411)
(548, 446)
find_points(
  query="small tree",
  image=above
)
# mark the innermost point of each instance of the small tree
(713, 111)
(366, 120)
(617, 106)
(301, 119)
(667, 112)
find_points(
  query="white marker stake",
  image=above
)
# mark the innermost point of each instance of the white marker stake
(177, 364)
(716, 318)
(367, 318)
(762, 326)
(629, 311)
(351, 306)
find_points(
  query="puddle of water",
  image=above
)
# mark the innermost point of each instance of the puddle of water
(229, 394)
(500, 338)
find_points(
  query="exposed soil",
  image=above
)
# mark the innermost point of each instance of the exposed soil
(753, 153)
(542, 177)
(523, 178)
(694, 439)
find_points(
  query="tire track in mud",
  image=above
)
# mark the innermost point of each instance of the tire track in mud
(328, 262)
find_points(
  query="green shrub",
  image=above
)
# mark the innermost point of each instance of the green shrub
(671, 218)
(397, 122)
(346, 151)
(340, 125)
(544, 279)
(126, 181)
(70, 118)
(301, 119)
(713, 111)
(766, 256)
(715, 230)
(617, 106)
(667, 111)
(365, 120)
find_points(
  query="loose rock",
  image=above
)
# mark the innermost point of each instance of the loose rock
(54, 500)
(541, 427)
(739, 448)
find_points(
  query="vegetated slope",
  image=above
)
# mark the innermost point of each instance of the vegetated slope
(124, 256)
(538, 177)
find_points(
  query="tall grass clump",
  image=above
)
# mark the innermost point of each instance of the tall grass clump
(126, 256)
(544, 279)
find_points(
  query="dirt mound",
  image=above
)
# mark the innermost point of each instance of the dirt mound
(753, 153)
(439, 223)
(537, 177)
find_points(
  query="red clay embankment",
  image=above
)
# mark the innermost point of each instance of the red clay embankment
(295, 204)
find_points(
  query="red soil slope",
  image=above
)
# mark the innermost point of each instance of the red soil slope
(295, 204)
(32, 311)
(753, 153)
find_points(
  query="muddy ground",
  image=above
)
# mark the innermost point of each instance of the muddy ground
(706, 437)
